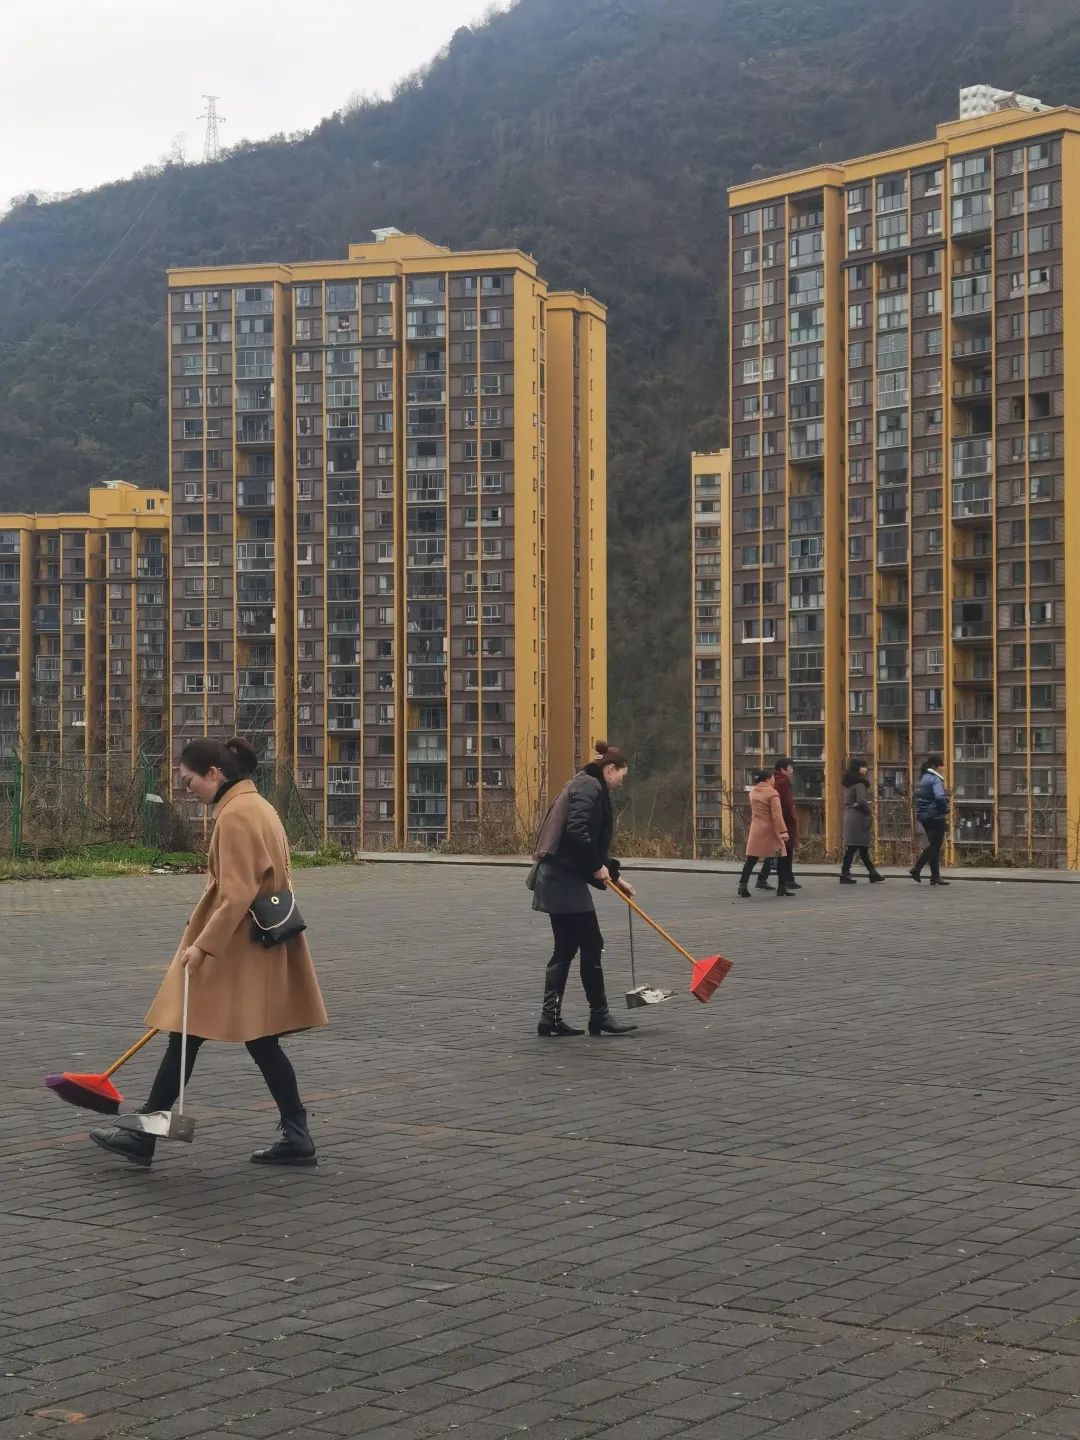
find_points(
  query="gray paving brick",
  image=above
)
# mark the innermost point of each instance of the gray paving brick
(820, 1206)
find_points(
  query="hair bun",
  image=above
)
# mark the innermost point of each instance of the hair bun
(246, 757)
(602, 747)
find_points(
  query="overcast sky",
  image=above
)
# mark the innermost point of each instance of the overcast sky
(92, 90)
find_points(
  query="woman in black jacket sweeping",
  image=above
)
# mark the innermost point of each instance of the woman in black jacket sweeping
(572, 854)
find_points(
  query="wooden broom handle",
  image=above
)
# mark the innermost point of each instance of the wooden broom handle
(614, 885)
(126, 1056)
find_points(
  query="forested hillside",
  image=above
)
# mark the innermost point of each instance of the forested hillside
(600, 135)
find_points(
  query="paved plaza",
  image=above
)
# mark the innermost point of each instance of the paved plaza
(840, 1200)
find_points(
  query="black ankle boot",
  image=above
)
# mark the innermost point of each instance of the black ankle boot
(744, 891)
(129, 1144)
(556, 1027)
(846, 879)
(876, 877)
(604, 1023)
(295, 1147)
(762, 885)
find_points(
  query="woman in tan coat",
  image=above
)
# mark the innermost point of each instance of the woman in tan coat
(240, 992)
(768, 831)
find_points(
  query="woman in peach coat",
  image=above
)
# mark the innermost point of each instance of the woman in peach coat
(240, 992)
(768, 830)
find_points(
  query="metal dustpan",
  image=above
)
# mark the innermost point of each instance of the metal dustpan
(641, 994)
(167, 1124)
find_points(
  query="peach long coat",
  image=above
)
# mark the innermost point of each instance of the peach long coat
(768, 831)
(241, 991)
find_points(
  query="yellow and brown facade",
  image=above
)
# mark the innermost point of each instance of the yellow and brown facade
(905, 483)
(713, 805)
(389, 486)
(84, 639)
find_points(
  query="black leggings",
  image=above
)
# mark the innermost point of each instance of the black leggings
(863, 853)
(574, 933)
(935, 834)
(268, 1055)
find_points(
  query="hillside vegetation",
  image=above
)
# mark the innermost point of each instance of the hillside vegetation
(600, 135)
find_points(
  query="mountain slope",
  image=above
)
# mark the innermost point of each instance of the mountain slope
(598, 134)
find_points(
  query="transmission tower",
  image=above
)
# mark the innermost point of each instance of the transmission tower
(212, 145)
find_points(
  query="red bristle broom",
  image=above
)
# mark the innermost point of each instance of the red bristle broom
(708, 973)
(96, 1092)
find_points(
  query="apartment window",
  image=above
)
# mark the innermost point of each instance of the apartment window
(935, 662)
(856, 198)
(892, 232)
(891, 194)
(934, 699)
(858, 238)
(1041, 322)
(1038, 197)
(1040, 237)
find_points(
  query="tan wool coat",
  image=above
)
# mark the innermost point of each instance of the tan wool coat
(241, 991)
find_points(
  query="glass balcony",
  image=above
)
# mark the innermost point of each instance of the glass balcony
(972, 499)
(255, 432)
(892, 545)
(971, 457)
(254, 494)
(263, 693)
(974, 826)
(973, 619)
(343, 716)
(427, 681)
(343, 780)
(892, 704)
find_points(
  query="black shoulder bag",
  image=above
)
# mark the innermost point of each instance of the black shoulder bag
(276, 918)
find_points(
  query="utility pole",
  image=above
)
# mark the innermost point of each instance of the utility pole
(212, 146)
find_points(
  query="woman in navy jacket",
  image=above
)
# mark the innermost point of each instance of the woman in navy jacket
(932, 812)
(573, 856)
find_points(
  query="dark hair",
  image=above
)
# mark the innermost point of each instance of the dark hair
(782, 763)
(762, 775)
(610, 755)
(851, 774)
(932, 762)
(235, 758)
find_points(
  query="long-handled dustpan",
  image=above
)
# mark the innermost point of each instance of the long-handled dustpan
(641, 994)
(708, 973)
(95, 1092)
(168, 1124)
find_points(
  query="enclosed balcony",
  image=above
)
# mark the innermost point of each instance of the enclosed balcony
(892, 704)
(343, 780)
(972, 619)
(426, 681)
(343, 715)
(973, 744)
(892, 545)
(254, 494)
(973, 825)
(255, 432)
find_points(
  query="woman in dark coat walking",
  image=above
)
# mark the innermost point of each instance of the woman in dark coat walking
(573, 856)
(858, 823)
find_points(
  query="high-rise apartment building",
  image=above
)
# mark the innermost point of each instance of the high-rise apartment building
(83, 632)
(389, 486)
(905, 483)
(710, 602)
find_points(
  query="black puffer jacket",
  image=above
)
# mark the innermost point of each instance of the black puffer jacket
(583, 847)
